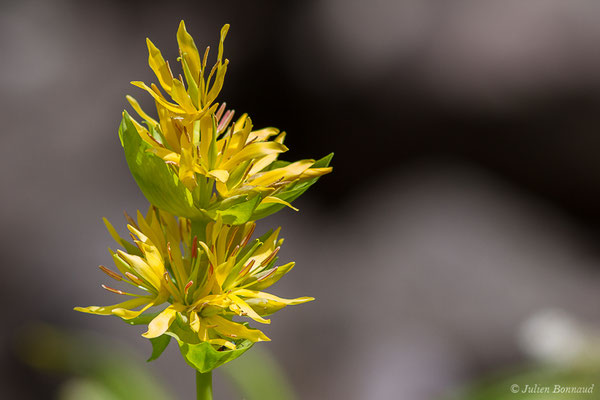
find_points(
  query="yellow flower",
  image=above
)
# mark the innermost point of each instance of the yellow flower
(200, 140)
(206, 281)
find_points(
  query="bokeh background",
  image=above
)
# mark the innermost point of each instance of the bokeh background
(455, 243)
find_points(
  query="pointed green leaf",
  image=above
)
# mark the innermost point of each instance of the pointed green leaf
(236, 211)
(159, 345)
(156, 180)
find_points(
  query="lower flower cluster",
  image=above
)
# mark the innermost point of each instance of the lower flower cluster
(205, 274)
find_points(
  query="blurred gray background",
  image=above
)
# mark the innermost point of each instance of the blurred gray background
(464, 197)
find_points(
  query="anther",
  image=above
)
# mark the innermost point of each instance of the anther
(271, 256)
(249, 235)
(195, 247)
(113, 290)
(110, 273)
(220, 111)
(247, 268)
(262, 278)
(133, 278)
(235, 231)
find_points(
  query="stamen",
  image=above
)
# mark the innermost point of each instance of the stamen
(262, 278)
(204, 59)
(171, 163)
(225, 121)
(154, 139)
(234, 232)
(249, 235)
(167, 277)
(277, 182)
(135, 241)
(113, 290)
(169, 68)
(220, 111)
(187, 287)
(110, 273)
(271, 256)
(195, 247)
(247, 268)
(235, 250)
(133, 278)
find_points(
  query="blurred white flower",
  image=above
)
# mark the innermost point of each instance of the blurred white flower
(553, 336)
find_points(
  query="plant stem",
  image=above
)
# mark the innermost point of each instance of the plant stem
(204, 385)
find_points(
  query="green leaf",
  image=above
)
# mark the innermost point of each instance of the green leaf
(291, 193)
(237, 212)
(204, 358)
(159, 345)
(156, 180)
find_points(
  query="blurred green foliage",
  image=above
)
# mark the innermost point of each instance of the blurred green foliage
(94, 369)
(522, 384)
(97, 369)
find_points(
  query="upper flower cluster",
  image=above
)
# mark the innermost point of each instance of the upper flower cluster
(220, 163)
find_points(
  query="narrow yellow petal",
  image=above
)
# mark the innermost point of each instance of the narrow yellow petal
(159, 66)
(262, 134)
(186, 167)
(116, 309)
(141, 268)
(288, 173)
(315, 172)
(179, 94)
(273, 199)
(249, 311)
(207, 136)
(138, 109)
(153, 258)
(224, 31)
(113, 232)
(220, 175)
(170, 106)
(161, 323)
(223, 342)
(189, 50)
(263, 295)
(235, 330)
(252, 151)
(262, 164)
(166, 155)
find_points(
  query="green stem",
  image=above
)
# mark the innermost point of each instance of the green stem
(204, 385)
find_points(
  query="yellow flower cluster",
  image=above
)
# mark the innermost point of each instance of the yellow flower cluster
(206, 282)
(197, 275)
(199, 138)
